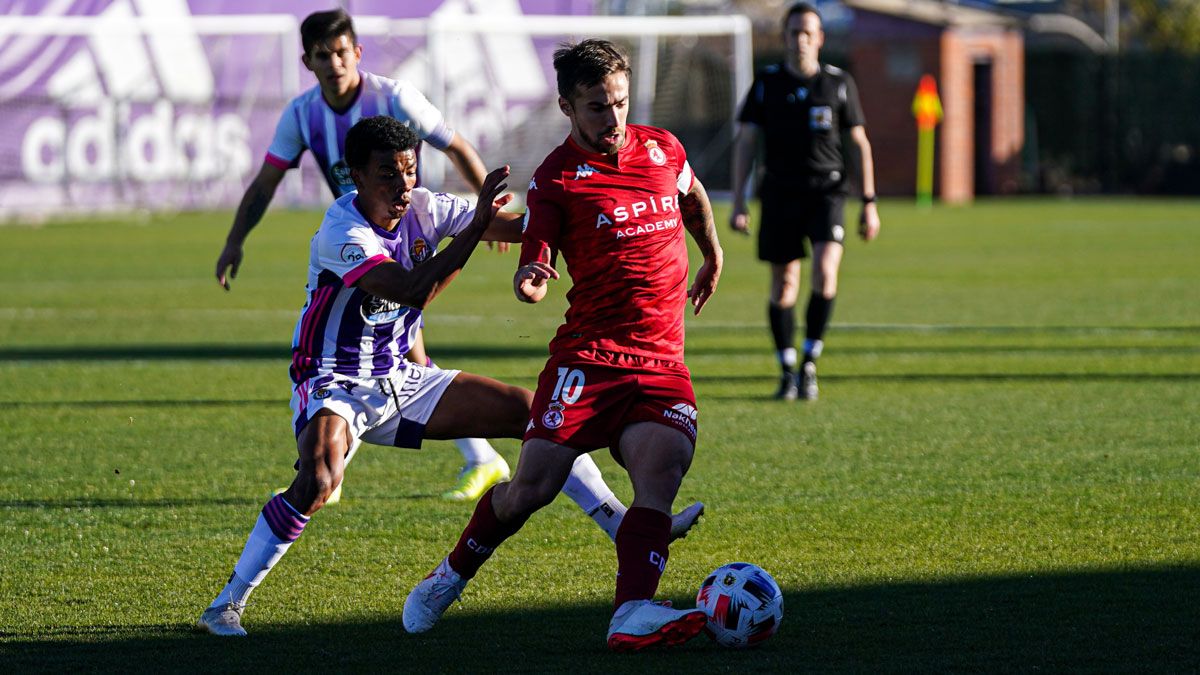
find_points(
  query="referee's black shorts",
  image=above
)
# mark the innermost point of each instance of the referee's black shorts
(794, 214)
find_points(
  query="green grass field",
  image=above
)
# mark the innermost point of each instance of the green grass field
(1001, 473)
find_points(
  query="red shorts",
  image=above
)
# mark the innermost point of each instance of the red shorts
(585, 401)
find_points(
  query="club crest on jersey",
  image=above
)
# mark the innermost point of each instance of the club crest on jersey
(353, 253)
(585, 170)
(553, 418)
(656, 153)
(321, 394)
(419, 251)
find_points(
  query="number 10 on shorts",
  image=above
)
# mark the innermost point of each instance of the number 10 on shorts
(569, 387)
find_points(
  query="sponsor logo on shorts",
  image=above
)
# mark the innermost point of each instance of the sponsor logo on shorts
(419, 251)
(322, 394)
(839, 233)
(353, 253)
(684, 415)
(658, 561)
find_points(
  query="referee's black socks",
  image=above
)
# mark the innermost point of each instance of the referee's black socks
(820, 309)
(783, 330)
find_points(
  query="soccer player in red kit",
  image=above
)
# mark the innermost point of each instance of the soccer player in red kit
(614, 201)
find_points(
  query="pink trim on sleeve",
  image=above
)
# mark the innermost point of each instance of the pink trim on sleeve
(369, 264)
(278, 162)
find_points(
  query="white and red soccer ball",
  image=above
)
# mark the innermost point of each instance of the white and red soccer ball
(743, 603)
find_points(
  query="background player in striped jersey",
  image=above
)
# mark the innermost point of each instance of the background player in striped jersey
(372, 269)
(614, 200)
(318, 120)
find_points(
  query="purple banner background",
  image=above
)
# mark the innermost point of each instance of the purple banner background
(179, 118)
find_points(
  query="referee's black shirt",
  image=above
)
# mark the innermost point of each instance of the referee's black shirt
(802, 120)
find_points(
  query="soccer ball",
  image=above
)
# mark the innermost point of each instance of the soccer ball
(743, 603)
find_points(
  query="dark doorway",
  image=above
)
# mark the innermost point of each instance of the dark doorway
(983, 127)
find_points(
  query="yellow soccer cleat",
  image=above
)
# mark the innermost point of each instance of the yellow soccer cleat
(475, 479)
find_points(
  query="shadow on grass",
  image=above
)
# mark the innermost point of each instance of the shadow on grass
(268, 352)
(769, 381)
(1139, 620)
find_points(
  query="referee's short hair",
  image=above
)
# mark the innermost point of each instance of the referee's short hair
(801, 8)
(377, 133)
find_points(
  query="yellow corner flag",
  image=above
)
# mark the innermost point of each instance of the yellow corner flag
(927, 108)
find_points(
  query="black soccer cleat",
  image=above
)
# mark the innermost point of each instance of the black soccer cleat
(789, 390)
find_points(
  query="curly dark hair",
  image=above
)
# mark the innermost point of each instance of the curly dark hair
(586, 64)
(377, 133)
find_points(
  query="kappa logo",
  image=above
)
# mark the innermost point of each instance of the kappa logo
(656, 153)
(532, 183)
(347, 385)
(585, 170)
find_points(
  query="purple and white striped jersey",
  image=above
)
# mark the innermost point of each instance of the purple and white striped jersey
(344, 329)
(308, 123)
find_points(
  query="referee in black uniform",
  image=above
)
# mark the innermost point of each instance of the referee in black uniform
(801, 107)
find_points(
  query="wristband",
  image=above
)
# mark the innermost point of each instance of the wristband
(868, 200)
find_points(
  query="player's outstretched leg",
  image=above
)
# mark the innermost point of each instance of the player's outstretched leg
(279, 525)
(434, 594)
(484, 468)
(586, 487)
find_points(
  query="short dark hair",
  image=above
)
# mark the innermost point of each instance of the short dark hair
(377, 133)
(323, 26)
(800, 8)
(586, 64)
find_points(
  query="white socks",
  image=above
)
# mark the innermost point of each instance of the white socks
(586, 487)
(476, 450)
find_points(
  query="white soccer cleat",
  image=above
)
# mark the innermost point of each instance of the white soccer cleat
(682, 522)
(430, 598)
(225, 620)
(639, 624)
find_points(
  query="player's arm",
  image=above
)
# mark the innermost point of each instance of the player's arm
(529, 283)
(868, 221)
(697, 214)
(505, 227)
(250, 211)
(418, 287)
(744, 147)
(466, 161)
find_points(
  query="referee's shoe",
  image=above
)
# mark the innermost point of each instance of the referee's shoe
(789, 388)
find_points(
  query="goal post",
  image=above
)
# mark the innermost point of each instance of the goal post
(492, 77)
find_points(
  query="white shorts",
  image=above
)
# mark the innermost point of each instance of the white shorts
(390, 411)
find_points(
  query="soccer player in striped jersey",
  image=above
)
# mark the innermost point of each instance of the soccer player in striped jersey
(318, 120)
(373, 267)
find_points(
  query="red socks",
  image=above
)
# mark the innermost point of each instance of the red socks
(642, 542)
(481, 537)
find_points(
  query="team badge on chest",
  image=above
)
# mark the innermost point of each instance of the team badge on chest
(419, 251)
(656, 153)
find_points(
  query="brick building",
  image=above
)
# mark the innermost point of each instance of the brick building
(977, 58)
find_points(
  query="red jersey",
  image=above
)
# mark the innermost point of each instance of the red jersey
(616, 221)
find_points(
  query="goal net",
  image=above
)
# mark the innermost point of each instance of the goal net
(492, 77)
